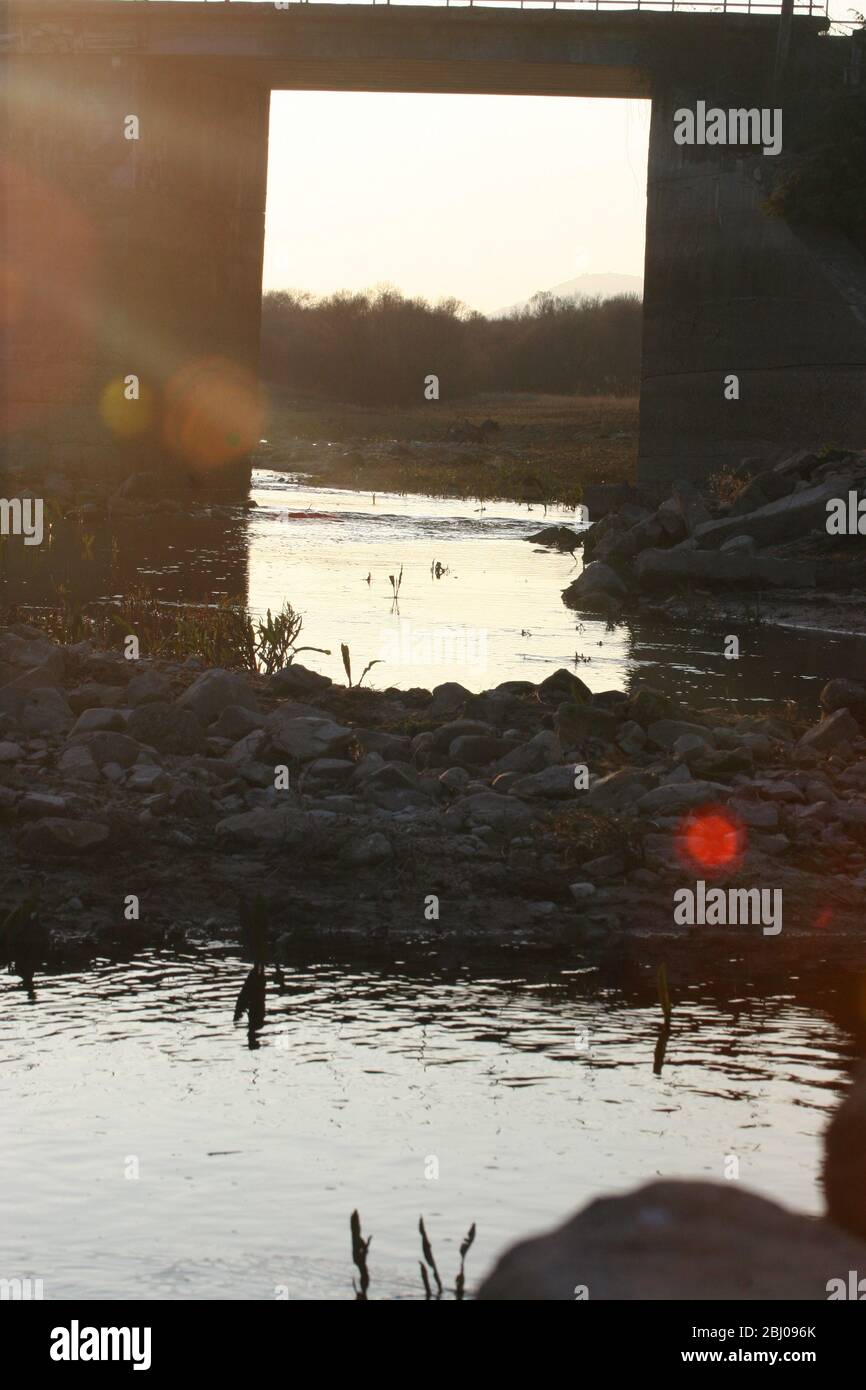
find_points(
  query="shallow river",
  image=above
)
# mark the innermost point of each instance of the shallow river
(491, 612)
(149, 1152)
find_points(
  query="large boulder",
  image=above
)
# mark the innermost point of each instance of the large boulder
(597, 580)
(167, 728)
(105, 747)
(788, 519)
(665, 568)
(307, 737)
(678, 1241)
(213, 691)
(59, 835)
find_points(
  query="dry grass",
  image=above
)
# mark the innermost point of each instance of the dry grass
(546, 448)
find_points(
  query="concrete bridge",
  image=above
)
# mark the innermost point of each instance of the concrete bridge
(135, 155)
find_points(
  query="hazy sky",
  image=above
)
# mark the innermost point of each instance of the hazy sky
(486, 198)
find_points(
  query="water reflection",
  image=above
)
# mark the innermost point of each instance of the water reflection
(477, 603)
(532, 1086)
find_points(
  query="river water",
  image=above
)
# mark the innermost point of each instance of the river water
(477, 603)
(155, 1154)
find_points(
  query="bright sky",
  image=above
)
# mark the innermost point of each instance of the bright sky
(486, 198)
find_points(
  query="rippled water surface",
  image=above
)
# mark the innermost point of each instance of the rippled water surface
(532, 1095)
(491, 611)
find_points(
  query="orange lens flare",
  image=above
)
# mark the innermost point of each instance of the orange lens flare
(711, 839)
(213, 413)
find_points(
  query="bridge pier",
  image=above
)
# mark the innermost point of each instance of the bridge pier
(729, 291)
(135, 265)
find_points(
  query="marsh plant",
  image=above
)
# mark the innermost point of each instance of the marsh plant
(347, 665)
(433, 1291)
(224, 633)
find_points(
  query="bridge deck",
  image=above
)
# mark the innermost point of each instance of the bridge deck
(393, 47)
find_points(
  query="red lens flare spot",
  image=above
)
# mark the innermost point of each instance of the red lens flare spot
(824, 918)
(712, 838)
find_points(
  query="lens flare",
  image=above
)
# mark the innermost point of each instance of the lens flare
(712, 838)
(125, 417)
(213, 413)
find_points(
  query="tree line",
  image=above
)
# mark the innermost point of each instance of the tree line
(376, 347)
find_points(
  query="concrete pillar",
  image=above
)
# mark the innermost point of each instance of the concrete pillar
(731, 291)
(132, 258)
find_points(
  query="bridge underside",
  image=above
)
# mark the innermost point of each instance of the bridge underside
(143, 257)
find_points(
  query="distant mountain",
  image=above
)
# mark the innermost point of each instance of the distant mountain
(590, 285)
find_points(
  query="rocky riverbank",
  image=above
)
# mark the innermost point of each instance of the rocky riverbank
(145, 801)
(790, 542)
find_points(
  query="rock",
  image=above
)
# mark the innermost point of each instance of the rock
(674, 800)
(646, 706)
(170, 729)
(78, 764)
(284, 826)
(788, 519)
(554, 782)
(147, 687)
(835, 729)
(665, 568)
(631, 738)
(671, 520)
(299, 681)
(597, 580)
(97, 719)
(685, 1241)
(306, 738)
(845, 694)
(618, 791)
(476, 750)
(500, 812)
(456, 779)
(738, 545)
(235, 722)
(688, 744)
(690, 504)
(45, 712)
(722, 765)
(541, 751)
(41, 804)
(112, 772)
(564, 685)
(442, 738)
(93, 696)
(213, 691)
(56, 834)
(582, 892)
(562, 537)
(664, 733)
(576, 723)
(373, 849)
(394, 748)
(448, 698)
(143, 778)
(606, 866)
(764, 488)
(759, 815)
(105, 747)
(10, 752)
